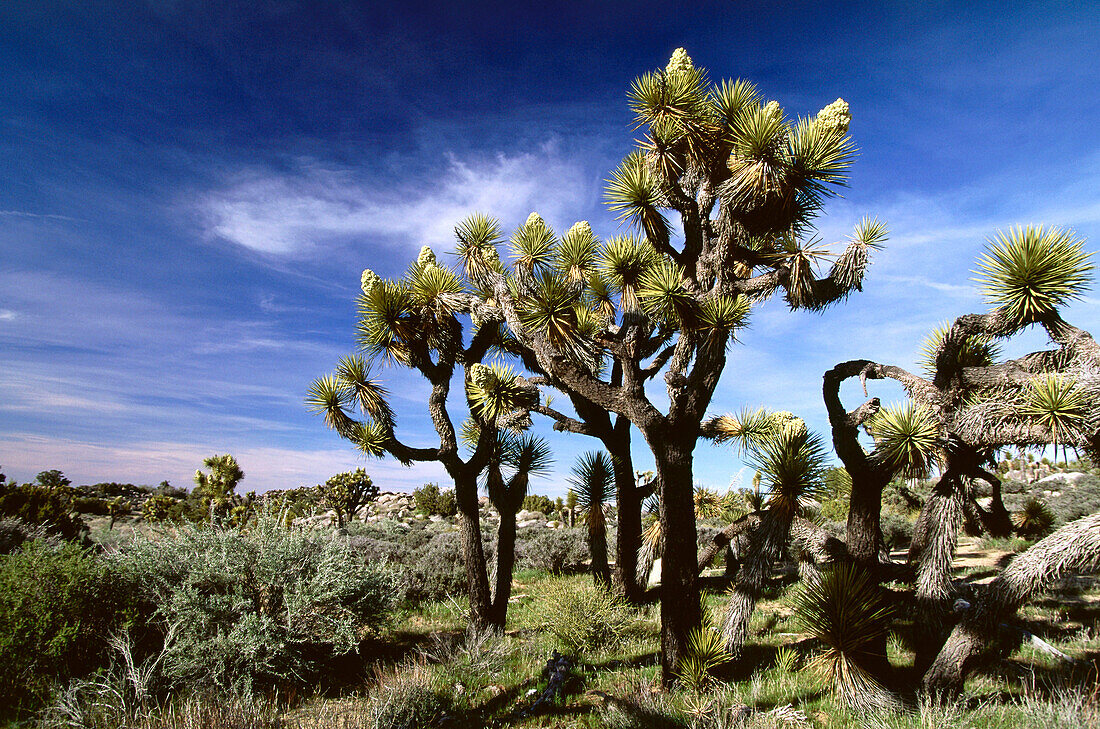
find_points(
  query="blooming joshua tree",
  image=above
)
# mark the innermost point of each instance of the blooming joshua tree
(599, 320)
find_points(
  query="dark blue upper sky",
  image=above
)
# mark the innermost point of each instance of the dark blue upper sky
(190, 191)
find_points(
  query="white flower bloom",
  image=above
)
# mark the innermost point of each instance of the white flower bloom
(369, 281)
(426, 257)
(788, 422)
(835, 116)
(581, 228)
(481, 376)
(534, 219)
(680, 61)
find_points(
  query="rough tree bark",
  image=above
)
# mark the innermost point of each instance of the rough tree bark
(1074, 547)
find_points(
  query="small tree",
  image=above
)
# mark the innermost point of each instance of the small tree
(592, 481)
(346, 493)
(419, 322)
(216, 488)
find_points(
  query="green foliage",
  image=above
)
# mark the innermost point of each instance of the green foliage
(346, 493)
(256, 607)
(584, 617)
(907, 438)
(429, 500)
(215, 489)
(408, 699)
(844, 608)
(1034, 519)
(538, 502)
(554, 551)
(48, 501)
(973, 351)
(706, 652)
(792, 467)
(1057, 403)
(1030, 272)
(58, 603)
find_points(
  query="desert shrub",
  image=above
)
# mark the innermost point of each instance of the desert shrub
(261, 607)
(90, 505)
(35, 503)
(58, 604)
(538, 502)
(1034, 519)
(436, 570)
(897, 531)
(14, 532)
(584, 617)
(429, 500)
(409, 698)
(555, 551)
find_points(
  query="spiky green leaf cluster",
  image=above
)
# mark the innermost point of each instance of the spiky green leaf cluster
(792, 468)
(533, 245)
(623, 262)
(478, 237)
(706, 652)
(907, 438)
(576, 255)
(846, 609)
(1030, 272)
(593, 484)
(973, 351)
(665, 296)
(496, 390)
(1057, 403)
(1034, 519)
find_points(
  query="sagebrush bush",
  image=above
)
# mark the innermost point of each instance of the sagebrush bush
(555, 551)
(58, 604)
(259, 607)
(408, 698)
(436, 570)
(14, 532)
(897, 531)
(584, 617)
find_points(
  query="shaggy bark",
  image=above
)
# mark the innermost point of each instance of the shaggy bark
(1074, 547)
(757, 548)
(482, 615)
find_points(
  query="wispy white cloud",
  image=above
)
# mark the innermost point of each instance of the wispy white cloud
(286, 214)
(7, 315)
(23, 455)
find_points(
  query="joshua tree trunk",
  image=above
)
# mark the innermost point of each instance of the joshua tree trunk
(597, 549)
(999, 523)
(473, 553)
(628, 515)
(680, 610)
(505, 561)
(932, 551)
(757, 548)
(1075, 546)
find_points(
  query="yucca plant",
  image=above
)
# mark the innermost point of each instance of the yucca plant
(845, 609)
(1030, 272)
(1034, 519)
(706, 653)
(973, 351)
(1056, 403)
(907, 438)
(593, 484)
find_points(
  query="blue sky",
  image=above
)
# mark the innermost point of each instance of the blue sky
(191, 190)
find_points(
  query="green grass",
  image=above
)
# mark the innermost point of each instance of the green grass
(429, 660)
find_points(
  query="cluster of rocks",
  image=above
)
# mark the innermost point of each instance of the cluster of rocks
(398, 506)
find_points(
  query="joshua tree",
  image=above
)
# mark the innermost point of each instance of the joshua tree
(746, 183)
(969, 405)
(1074, 547)
(216, 488)
(791, 464)
(521, 456)
(346, 493)
(418, 322)
(591, 482)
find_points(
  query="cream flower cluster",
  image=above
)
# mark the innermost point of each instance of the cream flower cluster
(581, 227)
(426, 258)
(835, 116)
(680, 61)
(369, 281)
(788, 422)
